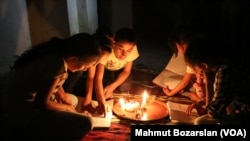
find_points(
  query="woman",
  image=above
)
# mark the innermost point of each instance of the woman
(36, 80)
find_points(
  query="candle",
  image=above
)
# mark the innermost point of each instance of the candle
(129, 105)
(122, 103)
(144, 117)
(144, 98)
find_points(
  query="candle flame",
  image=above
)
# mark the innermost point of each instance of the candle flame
(144, 97)
(144, 117)
(122, 103)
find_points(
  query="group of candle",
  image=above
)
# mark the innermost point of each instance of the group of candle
(138, 105)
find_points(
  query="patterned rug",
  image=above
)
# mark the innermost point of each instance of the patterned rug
(120, 127)
(116, 132)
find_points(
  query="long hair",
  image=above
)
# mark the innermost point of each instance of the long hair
(81, 45)
(180, 35)
(104, 36)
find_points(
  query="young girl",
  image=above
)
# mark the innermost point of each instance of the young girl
(114, 72)
(178, 42)
(81, 83)
(37, 76)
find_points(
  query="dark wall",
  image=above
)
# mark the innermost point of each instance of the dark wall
(159, 16)
(226, 20)
(47, 19)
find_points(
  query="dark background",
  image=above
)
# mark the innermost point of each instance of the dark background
(154, 19)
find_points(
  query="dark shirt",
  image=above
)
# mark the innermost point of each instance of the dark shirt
(231, 87)
(30, 79)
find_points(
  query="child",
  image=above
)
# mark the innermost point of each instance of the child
(115, 71)
(178, 41)
(227, 93)
(38, 74)
(81, 83)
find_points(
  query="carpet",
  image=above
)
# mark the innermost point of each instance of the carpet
(116, 132)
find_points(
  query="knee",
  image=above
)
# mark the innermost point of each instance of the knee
(88, 123)
(74, 100)
(84, 126)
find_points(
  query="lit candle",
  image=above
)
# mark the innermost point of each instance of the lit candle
(144, 117)
(122, 103)
(144, 98)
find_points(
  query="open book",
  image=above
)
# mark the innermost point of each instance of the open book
(173, 73)
(177, 113)
(101, 122)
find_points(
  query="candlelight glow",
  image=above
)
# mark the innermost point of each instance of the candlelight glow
(129, 106)
(144, 97)
(144, 117)
(122, 103)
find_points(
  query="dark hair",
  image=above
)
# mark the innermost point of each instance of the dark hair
(104, 30)
(125, 35)
(203, 49)
(81, 45)
(181, 34)
(103, 36)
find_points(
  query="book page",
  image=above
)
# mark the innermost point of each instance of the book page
(177, 112)
(167, 78)
(101, 122)
(177, 64)
(172, 73)
(181, 107)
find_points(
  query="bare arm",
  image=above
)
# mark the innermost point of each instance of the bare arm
(45, 93)
(99, 89)
(184, 82)
(63, 97)
(89, 85)
(121, 77)
(98, 83)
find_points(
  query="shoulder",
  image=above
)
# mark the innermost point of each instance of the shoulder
(134, 53)
(189, 69)
(54, 65)
(105, 57)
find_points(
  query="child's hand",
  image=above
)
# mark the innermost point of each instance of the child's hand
(101, 109)
(108, 91)
(89, 108)
(166, 90)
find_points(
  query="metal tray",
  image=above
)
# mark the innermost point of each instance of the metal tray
(154, 110)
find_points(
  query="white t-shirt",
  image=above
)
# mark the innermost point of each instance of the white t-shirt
(112, 63)
(190, 70)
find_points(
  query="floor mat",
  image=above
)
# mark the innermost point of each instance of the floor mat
(116, 132)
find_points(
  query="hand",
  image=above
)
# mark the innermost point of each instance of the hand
(86, 113)
(198, 106)
(190, 108)
(108, 91)
(166, 90)
(101, 109)
(88, 108)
